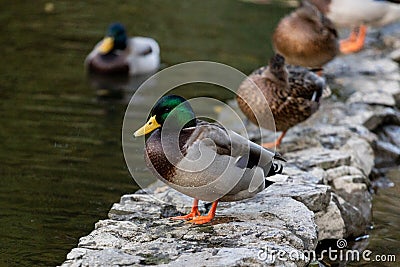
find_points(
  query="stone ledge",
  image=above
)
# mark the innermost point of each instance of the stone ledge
(322, 194)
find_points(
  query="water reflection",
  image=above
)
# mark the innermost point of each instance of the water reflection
(118, 88)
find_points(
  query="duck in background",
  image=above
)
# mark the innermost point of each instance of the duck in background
(306, 37)
(358, 14)
(291, 94)
(201, 159)
(118, 54)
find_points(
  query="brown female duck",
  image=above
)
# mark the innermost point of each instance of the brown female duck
(290, 96)
(306, 37)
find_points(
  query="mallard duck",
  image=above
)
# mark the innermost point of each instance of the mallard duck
(306, 37)
(357, 14)
(201, 159)
(291, 97)
(117, 53)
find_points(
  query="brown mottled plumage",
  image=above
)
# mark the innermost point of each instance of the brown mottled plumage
(291, 97)
(306, 37)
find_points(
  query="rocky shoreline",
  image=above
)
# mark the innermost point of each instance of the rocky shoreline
(324, 192)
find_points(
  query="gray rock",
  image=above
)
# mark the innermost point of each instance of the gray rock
(351, 185)
(334, 173)
(373, 116)
(362, 155)
(105, 257)
(372, 90)
(315, 197)
(387, 154)
(395, 55)
(373, 97)
(241, 231)
(391, 133)
(330, 223)
(318, 157)
(366, 65)
(354, 220)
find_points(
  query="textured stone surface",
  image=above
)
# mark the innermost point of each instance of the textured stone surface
(330, 222)
(318, 157)
(240, 232)
(323, 192)
(315, 197)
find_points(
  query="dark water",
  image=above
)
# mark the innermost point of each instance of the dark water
(385, 235)
(61, 163)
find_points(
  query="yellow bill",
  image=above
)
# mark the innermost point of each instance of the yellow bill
(150, 126)
(106, 45)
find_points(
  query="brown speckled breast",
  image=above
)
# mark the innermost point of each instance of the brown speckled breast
(289, 105)
(155, 157)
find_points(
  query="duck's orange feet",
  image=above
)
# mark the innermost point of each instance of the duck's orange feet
(276, 143)
(355, 42)
(207, 218)
(194, 212)
(201, 219)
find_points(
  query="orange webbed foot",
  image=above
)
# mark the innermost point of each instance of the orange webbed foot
(201, 219)
(355, 42)
(191, 215)
(276, 143)
(207, 218)
(194, 212)
(270, 145)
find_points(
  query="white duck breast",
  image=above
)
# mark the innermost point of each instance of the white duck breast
(144, 56)
(346, 13)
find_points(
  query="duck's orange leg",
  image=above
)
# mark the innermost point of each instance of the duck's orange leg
(193, 213)
(355, 42)
(207, 218)
(276, 143)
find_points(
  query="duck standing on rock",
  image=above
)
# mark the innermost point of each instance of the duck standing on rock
(201, 159)
(358, 14)
(306, 37)
(118, 54)
(291, 96)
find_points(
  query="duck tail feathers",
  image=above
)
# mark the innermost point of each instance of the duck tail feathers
(276, 168)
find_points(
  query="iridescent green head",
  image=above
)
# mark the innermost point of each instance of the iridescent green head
(116, 38)
(174, 109)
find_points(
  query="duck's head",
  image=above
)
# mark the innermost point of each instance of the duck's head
(115, 39)
(277, 67)
(172, 109)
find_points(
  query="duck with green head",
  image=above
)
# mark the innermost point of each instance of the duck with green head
(201, 159)
(118, 54)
